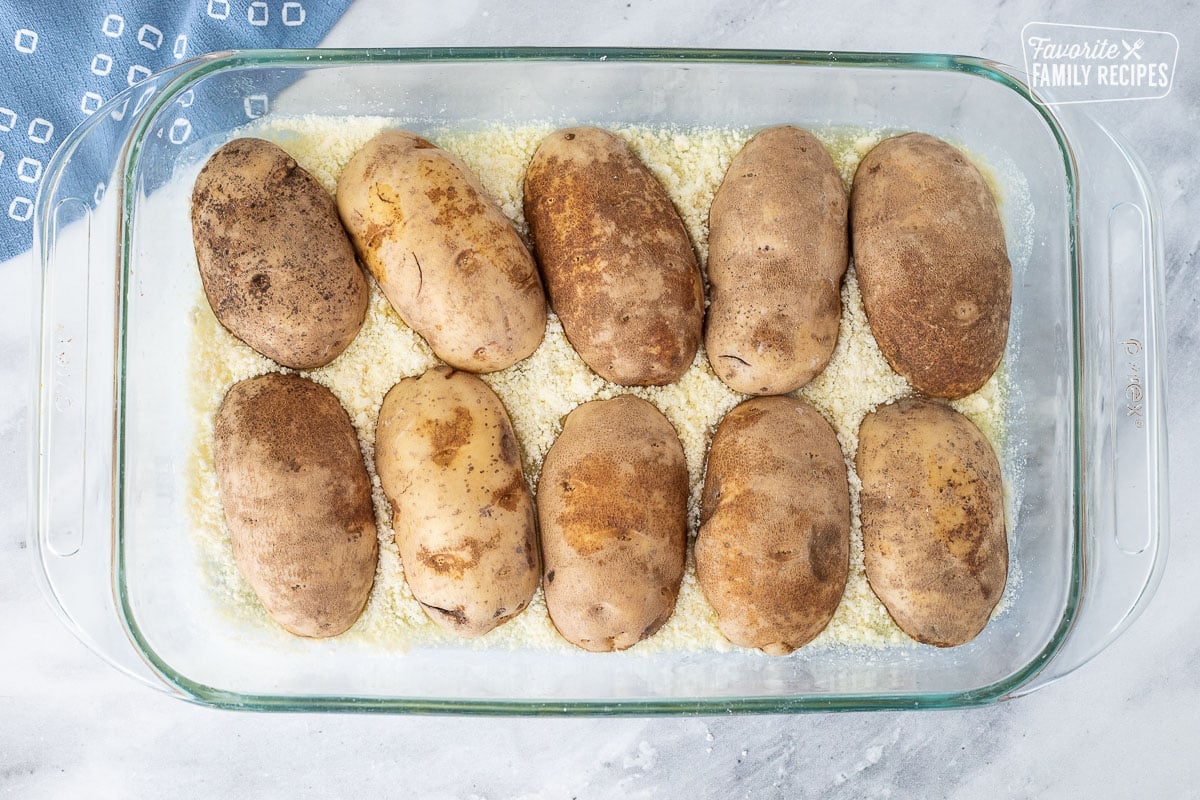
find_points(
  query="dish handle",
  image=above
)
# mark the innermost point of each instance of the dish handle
(77, 232)
(1123, 499)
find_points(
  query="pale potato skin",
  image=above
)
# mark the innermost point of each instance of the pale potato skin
(773, 551)
(462, 512)
(619, 267)
(778, 247)
(932, 264)
(448, 260)
(276, 265)
(296, 496)
(612, 505)
(932, 520)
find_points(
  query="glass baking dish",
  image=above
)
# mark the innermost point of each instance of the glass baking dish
(1085, 453)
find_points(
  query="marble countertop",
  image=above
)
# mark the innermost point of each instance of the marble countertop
(1123, 725)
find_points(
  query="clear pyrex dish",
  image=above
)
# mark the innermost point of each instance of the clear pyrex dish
(1085, 451)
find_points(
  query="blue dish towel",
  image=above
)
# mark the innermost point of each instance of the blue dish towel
(61, 59)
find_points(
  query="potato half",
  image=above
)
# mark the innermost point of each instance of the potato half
(462, 512)
(619, 267)
(932, 264)
(276, 265)
(777, 250)
(612, 503)
(451, 264)
(297, 499)
(773, 552)
(932, 519)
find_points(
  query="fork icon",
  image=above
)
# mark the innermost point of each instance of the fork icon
(1132, 49)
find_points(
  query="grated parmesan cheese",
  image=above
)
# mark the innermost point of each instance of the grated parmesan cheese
(541, 390)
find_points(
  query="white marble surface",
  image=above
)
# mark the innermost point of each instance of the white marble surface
(1125, 725)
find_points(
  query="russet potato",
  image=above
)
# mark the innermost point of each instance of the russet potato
(451, 264)
(462, 512)
(777, 250)
(773, 551)
(932, 264)
(619, 266)
(276, 265)
(933, 527)
(612, 503)
(296, 496)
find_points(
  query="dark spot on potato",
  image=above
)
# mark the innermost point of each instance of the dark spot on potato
(465, 261)
(767, 336)
(658, 622)
(826, 550)
(447, 437)
(455, 563)
(456, 615)
(569, 137)
(440, 194)
(508, 448)
(510, 496)
(261, 282)
(550, 576)
(966, 311)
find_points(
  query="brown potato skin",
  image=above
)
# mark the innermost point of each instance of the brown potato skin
(932, 264)
(778, 247)
(612, 504)
(932, 520)
(276, 265)
(462, 512)
(618, 264)
(448, 260)
(773, 552)
(297, 499)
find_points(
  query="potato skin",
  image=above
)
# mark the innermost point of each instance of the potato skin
(451, 264)
(773, 552)
(461, 509)
(931, 261)
(932, 519)
(777, 250)
(297, 499)
(276, 265)
(612, 504)
(618, 264)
